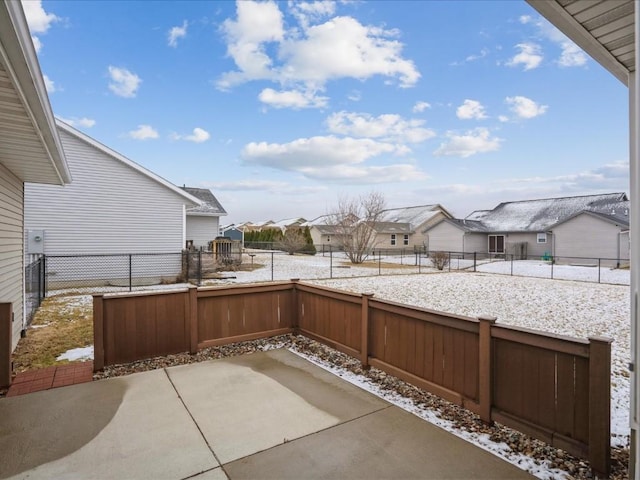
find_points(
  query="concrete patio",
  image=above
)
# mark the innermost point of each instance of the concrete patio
(265, 415)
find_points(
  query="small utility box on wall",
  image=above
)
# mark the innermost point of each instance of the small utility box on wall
(35, 242)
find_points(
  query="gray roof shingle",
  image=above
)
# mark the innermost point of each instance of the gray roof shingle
(211, 205)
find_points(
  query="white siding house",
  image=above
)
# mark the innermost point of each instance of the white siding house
(593, 235)
(114, 206)
(203, 221)
(30, 151)
(589, 226)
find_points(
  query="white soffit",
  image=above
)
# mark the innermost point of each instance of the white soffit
(602, 28)
(29, 143)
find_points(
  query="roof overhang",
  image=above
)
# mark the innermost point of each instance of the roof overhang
(604, 29)
(29, 143)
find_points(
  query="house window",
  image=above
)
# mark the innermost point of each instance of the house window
(496, 243)
(542, 238)
(393, 239)
(406, 240)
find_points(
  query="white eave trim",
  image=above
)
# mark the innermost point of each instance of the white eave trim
(564, 21)
(130, 163)
(21, 63)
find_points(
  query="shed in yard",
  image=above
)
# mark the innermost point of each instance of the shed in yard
(30, 151)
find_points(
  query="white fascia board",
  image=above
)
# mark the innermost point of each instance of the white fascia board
(112, 153)
(21, 64)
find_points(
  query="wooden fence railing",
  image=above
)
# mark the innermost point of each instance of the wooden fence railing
(555, 388)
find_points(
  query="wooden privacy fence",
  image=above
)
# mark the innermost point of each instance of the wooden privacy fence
(555, 388)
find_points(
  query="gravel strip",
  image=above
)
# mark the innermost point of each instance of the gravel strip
(542, 460)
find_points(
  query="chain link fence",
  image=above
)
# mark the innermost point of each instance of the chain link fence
(34, 281)
(136, 271)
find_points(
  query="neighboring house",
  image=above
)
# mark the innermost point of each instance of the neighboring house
(30, 151)
(403, 228)
(590, 226)
(323, 234)
(113, 206)
(233, 232)
(399, 228)
(255, 227)
(203, 221)
(288, 223)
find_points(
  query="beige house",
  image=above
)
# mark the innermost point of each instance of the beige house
(30, 151)
(578, 228)
(399, 228)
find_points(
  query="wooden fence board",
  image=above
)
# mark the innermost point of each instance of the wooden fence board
(550, 386)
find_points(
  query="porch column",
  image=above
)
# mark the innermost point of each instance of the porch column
(634, 233)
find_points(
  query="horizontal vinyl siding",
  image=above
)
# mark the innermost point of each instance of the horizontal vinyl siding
(11, 254)
(476, 242)
(534, 249)
(108, 208)
(587, 236)
(202, 230)
(445, 237)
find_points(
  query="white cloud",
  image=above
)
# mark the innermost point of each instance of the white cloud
(257, 23)
(471, 109)
(49, 84)
(322, 152)
(305, 58)
(420, 107)
(355, 96)
(38, 20)
(78, 122)
(524, 19)
(199, 135)
(309, 12)
(250, 185)
(177, 32)
(572, 55)
(475, 141)
(37, 44)
(530, 56)
(524, 107)
(387, 127)
(124, 83)
(366, 175)
(143, 132)
(292, 99)
(503, 118)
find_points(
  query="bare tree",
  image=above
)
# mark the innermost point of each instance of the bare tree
(354, 220)
(293, 241)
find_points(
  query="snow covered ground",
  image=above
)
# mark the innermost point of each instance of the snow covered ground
(575, 308)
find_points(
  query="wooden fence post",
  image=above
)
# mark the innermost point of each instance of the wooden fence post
(364, 341)
(193, 318)
(296, 307)
(6, 334)
(98, 332)
(600, 404)
(485, 379)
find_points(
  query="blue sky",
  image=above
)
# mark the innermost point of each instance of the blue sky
(282, 107)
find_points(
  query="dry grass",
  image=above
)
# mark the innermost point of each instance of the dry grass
(62, 323)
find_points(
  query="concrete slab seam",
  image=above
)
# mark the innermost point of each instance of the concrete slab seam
(197, 426)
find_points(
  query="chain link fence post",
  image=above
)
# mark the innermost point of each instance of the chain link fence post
(330, 261)
(199, 267)
(272, 266)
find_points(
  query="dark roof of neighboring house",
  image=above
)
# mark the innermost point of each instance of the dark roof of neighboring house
(211, 205)
(540, 215)
(468, 225)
